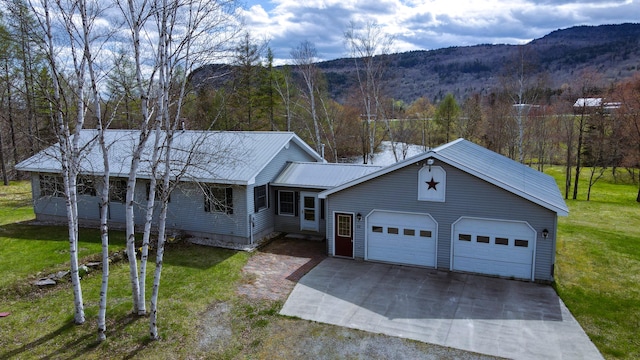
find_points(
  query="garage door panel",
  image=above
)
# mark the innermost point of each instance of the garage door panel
(411, 239)
(488, 246)
(491, 251)
(491, 267)
(401, 257)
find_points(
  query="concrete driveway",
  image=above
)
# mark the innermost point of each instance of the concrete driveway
(499, 317)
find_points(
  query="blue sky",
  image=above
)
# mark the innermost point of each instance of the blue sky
(424, 24)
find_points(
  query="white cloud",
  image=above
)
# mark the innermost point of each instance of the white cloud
(426, 24)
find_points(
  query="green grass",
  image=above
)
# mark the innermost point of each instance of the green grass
(41, 321)
(597, 276)
(598, 264)
(15, 203)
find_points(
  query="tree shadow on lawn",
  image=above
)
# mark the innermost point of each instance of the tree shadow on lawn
(79, 346)
(186, 254)
(31, 230)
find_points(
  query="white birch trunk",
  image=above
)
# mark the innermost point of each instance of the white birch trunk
(69, 153)
(146, 236)
(162, 221)
(72, 218)
(135, 18)
(104, 237)
(130, 230)
(104, 195)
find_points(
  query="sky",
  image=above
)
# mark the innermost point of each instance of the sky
(423, 24)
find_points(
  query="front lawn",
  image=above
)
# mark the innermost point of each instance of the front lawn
(41, 320)
(598, 265)
(200, 315)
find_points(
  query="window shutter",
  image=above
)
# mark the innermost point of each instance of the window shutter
(255, 199)
(276, 205)
(229, 200)
(297, 203)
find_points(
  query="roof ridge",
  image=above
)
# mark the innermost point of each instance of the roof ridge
(330, 163)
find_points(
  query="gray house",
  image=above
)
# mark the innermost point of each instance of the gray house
(458, 207)
(224, 191)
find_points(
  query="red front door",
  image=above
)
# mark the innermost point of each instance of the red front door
(343, 228)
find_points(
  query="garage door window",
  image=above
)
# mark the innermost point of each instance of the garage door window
(482, 239)
(521, 243)
(425, 233)
(376, 229)
(502, 241)
(409, 232)
(392, 230)
(464, 237)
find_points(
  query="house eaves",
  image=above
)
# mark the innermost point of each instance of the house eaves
(207, 156)
(317, 175)
(487, 165)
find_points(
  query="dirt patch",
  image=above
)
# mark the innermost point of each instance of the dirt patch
(300, 339)
(215, 328)
(274, 270)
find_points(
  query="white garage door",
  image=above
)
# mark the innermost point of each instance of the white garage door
(494, 247)
(402, 238)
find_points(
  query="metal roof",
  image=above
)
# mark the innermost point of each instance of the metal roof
(321, 175)
(487, 165)
(207, 156)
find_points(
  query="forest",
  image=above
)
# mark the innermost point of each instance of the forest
(524, 116)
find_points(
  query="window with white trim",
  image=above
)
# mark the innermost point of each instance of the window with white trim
(118, 190)
(218, 199)
(286, 203)
(86, 186)
(51, 185)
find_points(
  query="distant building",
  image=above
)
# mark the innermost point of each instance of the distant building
(583, 104)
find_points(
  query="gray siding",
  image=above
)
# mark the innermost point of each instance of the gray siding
(466, 195)
(291, 224)
(265, 218)
(47, 206)
(186, 211)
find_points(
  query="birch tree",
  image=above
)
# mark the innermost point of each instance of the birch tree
(207, 26)
(136, 15)
(283, 85)
(518, 83)
(304, 57)
(189, 33)
(68, 125)
(88, 14)
(367, 45)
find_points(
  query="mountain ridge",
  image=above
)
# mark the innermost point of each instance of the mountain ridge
(611, 50)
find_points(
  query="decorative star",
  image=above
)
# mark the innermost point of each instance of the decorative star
(432, 184)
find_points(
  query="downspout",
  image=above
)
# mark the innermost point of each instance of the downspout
(251, 225)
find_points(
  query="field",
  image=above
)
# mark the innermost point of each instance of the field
(200, 315)
(598, 265)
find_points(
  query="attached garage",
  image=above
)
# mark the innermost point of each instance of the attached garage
(401, 238)
(457, 207)
(493, 247)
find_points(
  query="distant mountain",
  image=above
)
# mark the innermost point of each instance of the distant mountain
(612, 50)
